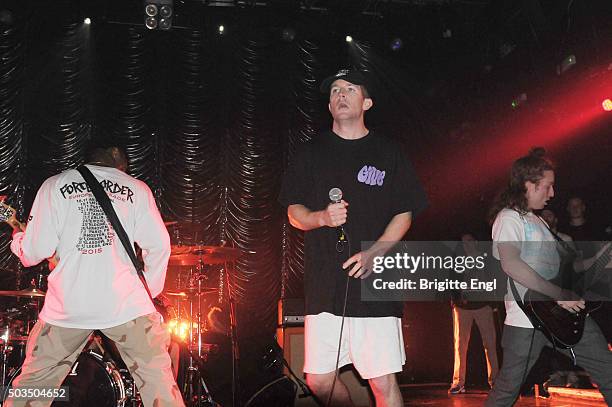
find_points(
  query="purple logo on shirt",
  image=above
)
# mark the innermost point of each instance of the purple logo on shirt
(370, 175)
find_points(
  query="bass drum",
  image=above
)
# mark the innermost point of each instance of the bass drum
(95, 382)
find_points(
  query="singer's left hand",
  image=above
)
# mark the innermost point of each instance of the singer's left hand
(359, 269)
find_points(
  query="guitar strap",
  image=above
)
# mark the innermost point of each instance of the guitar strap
(566, 246)
(108, 209)
(536, 324)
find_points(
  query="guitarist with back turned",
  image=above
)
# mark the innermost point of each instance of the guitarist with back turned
(519, 242)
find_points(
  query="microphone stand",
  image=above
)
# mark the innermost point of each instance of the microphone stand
(234, 340)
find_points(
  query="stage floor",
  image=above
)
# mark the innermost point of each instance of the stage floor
(438, 397)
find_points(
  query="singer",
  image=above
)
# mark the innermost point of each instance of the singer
(381, 194)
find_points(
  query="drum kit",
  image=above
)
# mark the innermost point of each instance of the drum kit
(15, 325)
(194, 310)
(192, 307)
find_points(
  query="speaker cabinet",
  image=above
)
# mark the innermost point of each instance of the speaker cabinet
(291, 339)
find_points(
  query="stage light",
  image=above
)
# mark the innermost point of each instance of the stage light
(288, 34)
(505, 49)
(151, 10)
(180, 328)
(519, 100)
(165, 11)
(6, 17)
(221, 29)
(566, 64)
(607, 105)
(151, 23)
(87, 21)
(349, 38)
(396, 44)
(158, 14)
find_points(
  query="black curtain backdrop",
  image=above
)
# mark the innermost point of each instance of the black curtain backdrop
(209, 122)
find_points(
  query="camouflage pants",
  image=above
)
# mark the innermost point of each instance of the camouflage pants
(51, 350)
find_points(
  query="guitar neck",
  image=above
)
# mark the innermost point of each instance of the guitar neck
(7, 214)
(602, 260)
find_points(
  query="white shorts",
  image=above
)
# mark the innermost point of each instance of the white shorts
(375, 346)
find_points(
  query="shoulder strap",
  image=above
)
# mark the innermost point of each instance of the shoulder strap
(567, 247)
(515, 294)
(108, 209)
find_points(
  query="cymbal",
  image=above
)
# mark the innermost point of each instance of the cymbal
(194, 255)
(186, 259)
(231, 253)
(171, 223)
(202, 256)
(28, 292)
(189, 291)
(180, 249)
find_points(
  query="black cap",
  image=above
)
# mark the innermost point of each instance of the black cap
(353, 76)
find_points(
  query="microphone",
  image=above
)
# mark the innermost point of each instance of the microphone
(335, 195)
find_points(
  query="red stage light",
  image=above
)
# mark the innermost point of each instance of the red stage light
(607, 105)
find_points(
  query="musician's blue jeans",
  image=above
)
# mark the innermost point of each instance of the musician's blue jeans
(592, 354)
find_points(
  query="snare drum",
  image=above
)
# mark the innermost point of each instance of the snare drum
(95, 382)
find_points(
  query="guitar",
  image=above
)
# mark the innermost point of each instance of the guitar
(562, 327)
(8, 214)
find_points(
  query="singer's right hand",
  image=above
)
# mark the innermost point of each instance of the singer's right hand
(335, 214)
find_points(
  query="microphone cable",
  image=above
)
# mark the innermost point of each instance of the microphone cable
(339, 249)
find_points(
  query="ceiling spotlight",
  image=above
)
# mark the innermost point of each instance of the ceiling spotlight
(151, 23)
(165, 11)
(505, 49)
(566, 64)
(87, 20)
(349, 38)
(151, 10)
(607, 105)
(519, 100)
(288, 34)
(396, 44)
(6, 17)
(158, 14)
(165, 23)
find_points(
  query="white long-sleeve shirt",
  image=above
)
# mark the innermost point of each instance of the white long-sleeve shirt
(94, 285)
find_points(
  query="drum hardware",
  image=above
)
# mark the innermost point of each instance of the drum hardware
(195, 390)
(12, 353)
(13, 313)
(16, 324)
(200, 341)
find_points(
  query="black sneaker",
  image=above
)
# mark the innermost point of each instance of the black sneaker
(456, 390)
(543, 392)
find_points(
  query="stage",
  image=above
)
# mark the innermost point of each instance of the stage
(437, 396)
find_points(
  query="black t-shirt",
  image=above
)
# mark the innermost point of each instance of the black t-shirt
(378, 183)
(584, 235)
